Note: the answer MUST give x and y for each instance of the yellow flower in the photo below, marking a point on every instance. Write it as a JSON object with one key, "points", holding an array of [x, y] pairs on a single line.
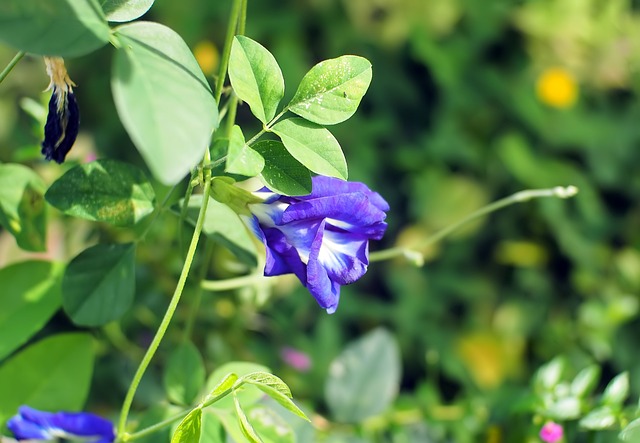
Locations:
{"points": [[557, 87], [207, 56]]}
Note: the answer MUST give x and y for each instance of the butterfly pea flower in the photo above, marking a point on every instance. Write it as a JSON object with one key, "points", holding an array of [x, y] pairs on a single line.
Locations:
{"points": [[322, 238], [39, 426], [63, 119]]}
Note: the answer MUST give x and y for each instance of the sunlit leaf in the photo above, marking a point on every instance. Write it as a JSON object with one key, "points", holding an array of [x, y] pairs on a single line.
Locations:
{"points": [[599, 418], [332, 90], [256, 77], [275, 388], [104, 190], [313, 146], [241, 159], [245, 426], [66, 28], [163, 99], [125, 10], [189, 429], [617, 390], [99, 284], [282, 173]]}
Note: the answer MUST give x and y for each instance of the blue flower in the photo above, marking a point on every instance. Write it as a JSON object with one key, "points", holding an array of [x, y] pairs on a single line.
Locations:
{"points": [[63, 119], [323, 238], [31, 424]]}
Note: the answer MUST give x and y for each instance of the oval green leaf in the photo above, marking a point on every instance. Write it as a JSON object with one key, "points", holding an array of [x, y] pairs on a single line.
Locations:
{"points": [[184, 374], [241, 159], [617, 390], [189, 429], [364, 379], [332, 90], [53, 374], [104, 190], [248, 396], [313, 146], [282, 173], [162, 99], [65, 28], [22, 208], [225, 227], [271, 427], [275, 388], [246, 428], [125, 10], [99, 284], [30, 296], [256, 77]]}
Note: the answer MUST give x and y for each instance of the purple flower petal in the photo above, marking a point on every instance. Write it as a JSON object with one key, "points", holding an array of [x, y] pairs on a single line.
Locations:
{"points": [[31, 423], [323, 238]]}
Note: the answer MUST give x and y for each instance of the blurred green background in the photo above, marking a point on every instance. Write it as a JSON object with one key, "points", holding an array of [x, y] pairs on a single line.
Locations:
{"points": [[470, 101]]}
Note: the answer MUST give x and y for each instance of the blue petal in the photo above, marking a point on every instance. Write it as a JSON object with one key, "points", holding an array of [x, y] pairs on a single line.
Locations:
{"points": [[347, 211], [25, 430], [344, 256], [323, 289], [328, 186], [60, 424]]}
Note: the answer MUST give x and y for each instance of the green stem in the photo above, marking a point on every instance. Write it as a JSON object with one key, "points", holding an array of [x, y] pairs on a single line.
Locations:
{"points": [[518, 197], [157, 426], [158, 211], [195, 307], [231, 283], [184, 209], [14, 61], [162, 329], [231, 114], [226, 51], [268, 126]]}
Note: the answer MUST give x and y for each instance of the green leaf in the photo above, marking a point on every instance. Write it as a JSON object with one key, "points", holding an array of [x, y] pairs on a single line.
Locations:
{"points": [[549, 375], [269, 425], [586, 380], [241, 159], [66, 28], [163, 99], [256, 77], [22, 208], [30, 296], [99, 284], [364, 379], [282, 173], [313, 146], [565, 408], [245, 426], [225, 384], [53, 374], [189, 429], [332, 90], [617, 390], [225, 227], [125, 10], [247, 396], [631, 432], [275, 388], [598, 419], [104, 190], [184, 373]]}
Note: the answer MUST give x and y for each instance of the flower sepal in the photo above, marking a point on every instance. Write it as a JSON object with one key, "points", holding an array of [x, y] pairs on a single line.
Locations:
{"points": [[224, 190]]}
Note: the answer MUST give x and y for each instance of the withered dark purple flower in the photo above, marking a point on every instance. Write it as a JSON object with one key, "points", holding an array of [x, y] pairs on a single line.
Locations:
{"points": [[63, 119]]}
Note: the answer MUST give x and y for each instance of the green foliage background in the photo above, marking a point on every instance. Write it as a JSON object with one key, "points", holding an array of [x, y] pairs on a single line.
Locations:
{"points": [[451, 121]]}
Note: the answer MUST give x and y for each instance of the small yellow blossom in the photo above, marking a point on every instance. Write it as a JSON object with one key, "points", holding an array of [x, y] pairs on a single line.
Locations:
{"points": [[207, 55], [557, 87]]}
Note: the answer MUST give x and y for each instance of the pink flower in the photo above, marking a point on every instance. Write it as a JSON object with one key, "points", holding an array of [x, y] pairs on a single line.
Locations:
{"points": [[551, 432], [296, 359]]}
